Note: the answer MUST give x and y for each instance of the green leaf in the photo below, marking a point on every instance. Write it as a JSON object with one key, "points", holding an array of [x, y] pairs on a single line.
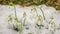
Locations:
{"points": [[37, 2], [45, 0]]}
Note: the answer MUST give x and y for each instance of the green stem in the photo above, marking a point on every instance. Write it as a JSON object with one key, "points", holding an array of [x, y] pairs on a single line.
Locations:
{"points": [[20, 27], [16, 19], [39, 16], [15, 11], [42, 12], [35, 10]]}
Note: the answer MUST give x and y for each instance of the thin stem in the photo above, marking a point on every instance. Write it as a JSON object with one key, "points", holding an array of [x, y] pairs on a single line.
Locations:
{"points": [[24, 16], [20, 27], [35, 10], [16, 19], [42, 12], [15, 11]]}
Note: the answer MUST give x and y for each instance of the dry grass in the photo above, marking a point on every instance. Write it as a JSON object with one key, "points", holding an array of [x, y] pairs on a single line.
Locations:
{"points": [[54, 3]]}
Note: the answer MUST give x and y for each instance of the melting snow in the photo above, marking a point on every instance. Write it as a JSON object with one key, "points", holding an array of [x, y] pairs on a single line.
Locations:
{"points": [[31, 19]]}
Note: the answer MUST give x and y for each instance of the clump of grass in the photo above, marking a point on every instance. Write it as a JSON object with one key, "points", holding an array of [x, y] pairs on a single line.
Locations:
{"points": [[15, 26], [39, 24], [53, 25], [24, 16]]}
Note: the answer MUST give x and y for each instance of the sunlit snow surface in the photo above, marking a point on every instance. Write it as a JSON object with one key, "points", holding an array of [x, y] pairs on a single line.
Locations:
{"points": [[31, 19]]}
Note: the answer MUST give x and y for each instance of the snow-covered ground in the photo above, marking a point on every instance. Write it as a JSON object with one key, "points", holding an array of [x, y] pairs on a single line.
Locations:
{"points": [[51, 24]]}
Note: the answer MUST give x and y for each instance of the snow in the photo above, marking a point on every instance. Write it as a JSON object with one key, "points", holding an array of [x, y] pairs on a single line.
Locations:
{"points": [[31, 19]]}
